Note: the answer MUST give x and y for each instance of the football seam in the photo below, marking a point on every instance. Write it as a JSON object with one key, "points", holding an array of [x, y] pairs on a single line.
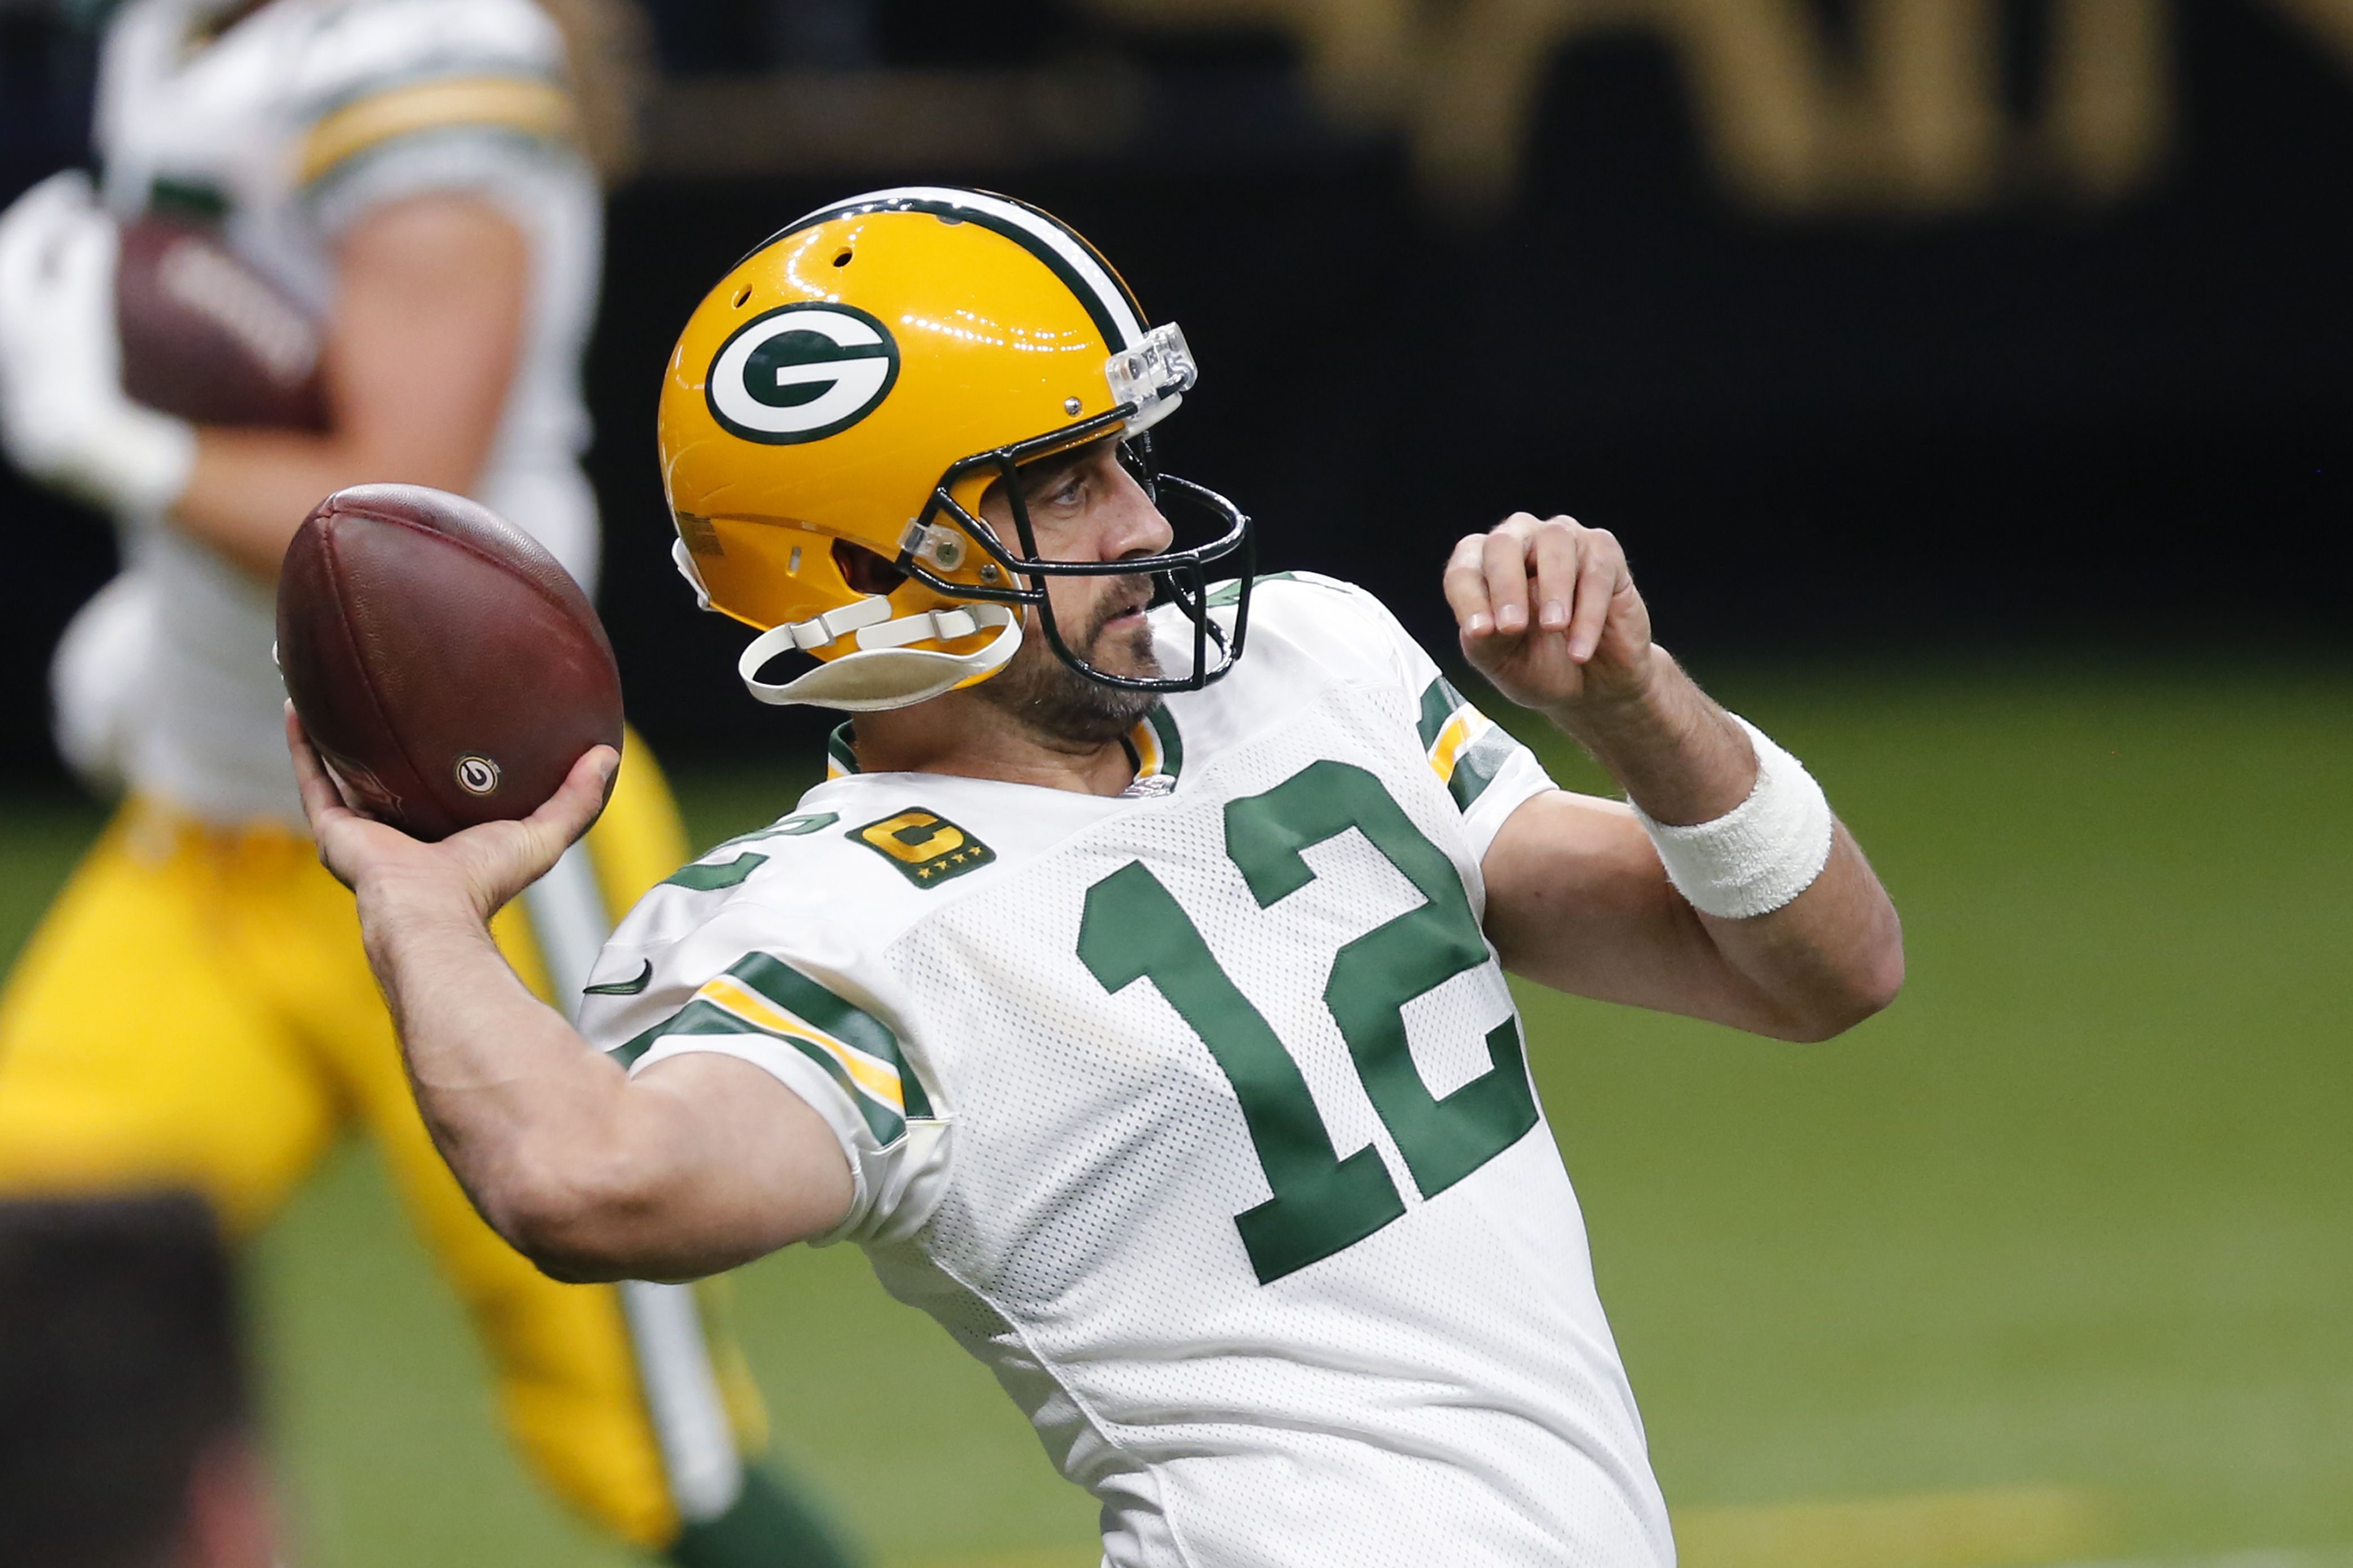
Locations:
{"points": [[552, 600], [367, 673]]}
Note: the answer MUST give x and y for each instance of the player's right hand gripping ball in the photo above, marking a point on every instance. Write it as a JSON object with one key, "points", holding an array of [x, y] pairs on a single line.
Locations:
{"points": [[447, 670]]}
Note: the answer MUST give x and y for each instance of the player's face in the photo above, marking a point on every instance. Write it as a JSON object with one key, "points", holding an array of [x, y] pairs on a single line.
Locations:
{"points": [[1083, 506]]}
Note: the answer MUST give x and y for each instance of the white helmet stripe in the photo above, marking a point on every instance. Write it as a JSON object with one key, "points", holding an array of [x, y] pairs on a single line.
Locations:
{"points": [[1109, 302]]}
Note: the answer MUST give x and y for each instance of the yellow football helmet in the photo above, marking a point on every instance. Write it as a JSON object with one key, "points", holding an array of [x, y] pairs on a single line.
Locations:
{"points": [[862, 378]]}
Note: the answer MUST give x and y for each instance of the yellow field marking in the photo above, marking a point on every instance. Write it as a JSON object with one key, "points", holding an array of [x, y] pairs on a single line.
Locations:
{"points": [[2010, 1527]]}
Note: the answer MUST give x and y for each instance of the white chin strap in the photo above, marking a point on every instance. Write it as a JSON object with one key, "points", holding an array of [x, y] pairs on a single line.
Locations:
{"points": [[883, 672]]}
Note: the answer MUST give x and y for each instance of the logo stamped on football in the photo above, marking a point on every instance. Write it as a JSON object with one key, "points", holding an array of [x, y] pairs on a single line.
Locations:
{"points": [[477, 775]]}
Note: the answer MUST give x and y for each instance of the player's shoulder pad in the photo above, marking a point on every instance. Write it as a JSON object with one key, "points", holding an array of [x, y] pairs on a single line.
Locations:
{"points": [[363, 49], [861, 859], [787, 864], [1336, 624], [780, 888]]}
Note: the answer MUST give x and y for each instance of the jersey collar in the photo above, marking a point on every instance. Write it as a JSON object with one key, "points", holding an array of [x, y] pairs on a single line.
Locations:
{"points": [[1154, 749]]}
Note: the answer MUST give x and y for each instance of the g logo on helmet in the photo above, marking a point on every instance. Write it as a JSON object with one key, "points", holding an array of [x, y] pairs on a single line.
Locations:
{"points": [[801, 372]]}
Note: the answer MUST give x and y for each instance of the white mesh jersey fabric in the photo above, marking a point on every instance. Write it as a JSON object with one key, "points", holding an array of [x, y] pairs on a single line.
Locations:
{"points": [[231, 119], [1444, 1389]]}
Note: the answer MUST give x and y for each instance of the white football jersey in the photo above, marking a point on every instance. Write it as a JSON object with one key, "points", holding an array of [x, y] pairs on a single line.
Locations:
{"points": [[1201, 1113], [290, 124]]}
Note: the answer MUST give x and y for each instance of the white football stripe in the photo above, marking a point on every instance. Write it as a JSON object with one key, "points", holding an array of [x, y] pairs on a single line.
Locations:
{"points": [[1106, 289]]}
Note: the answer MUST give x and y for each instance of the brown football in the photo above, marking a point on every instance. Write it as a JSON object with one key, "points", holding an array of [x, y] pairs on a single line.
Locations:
{"points": [[448, 670], [209, 338]]}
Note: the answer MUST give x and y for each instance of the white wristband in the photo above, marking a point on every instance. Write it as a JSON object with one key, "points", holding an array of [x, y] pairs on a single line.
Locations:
{"points": [[1759, 855]]}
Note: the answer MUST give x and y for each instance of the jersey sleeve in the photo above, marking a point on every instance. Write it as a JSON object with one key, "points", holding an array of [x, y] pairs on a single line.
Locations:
{"points": [[414, 97], [1489, 773], [747, 984]]}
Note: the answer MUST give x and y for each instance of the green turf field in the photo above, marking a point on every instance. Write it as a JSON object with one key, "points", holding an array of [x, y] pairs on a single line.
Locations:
{"points": [[2057, 1255]]}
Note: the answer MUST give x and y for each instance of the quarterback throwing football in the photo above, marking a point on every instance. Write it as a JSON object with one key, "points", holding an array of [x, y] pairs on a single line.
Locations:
{"points": [[1133, 993]]}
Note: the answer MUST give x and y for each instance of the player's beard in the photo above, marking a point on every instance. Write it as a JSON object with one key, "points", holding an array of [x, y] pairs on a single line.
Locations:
{"points": [[1060, 704]]}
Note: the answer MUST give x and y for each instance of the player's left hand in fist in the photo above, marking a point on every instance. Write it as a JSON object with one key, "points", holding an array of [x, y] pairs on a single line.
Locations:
{"points": [[1548, 612]]}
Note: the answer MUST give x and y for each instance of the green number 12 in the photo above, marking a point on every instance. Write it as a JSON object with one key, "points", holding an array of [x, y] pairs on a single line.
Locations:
{"points": [[1135, 930]]}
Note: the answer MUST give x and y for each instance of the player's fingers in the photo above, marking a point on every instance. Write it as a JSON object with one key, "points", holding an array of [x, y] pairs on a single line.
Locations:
{"points": [[1465, 583], [322, 801], [1554, 546], [579, 801], [1503, 559], [501, 859], [1598, 573]]}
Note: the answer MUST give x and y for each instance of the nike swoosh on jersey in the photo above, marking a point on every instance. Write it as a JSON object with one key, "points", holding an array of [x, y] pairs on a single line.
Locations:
{"points": [[630, 987]]}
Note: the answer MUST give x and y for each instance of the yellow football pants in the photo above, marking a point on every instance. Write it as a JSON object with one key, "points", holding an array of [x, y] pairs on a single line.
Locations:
{"points": [[196, 1010]]}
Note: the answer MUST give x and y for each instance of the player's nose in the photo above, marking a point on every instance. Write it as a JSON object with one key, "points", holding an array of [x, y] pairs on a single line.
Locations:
{"points": [[1134, 526]]}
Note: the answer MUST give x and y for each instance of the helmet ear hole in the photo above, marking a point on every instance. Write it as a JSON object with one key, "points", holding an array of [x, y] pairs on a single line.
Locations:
{"points": [[864, 570]]}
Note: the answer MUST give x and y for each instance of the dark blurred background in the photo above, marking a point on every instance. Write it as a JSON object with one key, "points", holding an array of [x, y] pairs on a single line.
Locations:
{"points": [[1874, 326]]}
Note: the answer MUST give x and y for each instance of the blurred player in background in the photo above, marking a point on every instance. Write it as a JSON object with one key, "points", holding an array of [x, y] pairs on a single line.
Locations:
{"points": [[197, 1007], [128, 1441]]}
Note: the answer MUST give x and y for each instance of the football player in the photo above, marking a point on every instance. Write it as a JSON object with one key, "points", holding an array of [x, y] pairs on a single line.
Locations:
{"points": [[1135, 992], [197, 1007]]}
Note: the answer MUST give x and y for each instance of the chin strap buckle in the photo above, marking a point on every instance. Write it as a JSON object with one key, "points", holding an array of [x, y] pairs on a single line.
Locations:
{"points": [[882, 671], [823, 631]]}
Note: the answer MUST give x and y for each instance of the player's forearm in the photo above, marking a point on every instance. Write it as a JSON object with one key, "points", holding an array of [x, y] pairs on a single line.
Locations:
{"points": [[1677, 755], [250, 489], [1824, 961], [590, 1176], [1818, 965], [527, 1113]]}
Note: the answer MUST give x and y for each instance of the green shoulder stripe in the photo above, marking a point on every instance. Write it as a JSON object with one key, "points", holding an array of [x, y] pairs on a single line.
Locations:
{"points": [[1476, 767], [787, 987], [790, 989], [699, 1017], [1438, 702]]}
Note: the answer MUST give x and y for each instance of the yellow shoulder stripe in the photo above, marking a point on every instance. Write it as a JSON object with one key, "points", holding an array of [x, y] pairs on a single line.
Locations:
{"points": [[878, 1078], [1467, 725], [525, 104]]}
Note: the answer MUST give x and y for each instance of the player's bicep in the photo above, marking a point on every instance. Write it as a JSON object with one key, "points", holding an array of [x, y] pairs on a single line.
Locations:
{"points": [[1578, 900], [747, 1165], [425, 334]]}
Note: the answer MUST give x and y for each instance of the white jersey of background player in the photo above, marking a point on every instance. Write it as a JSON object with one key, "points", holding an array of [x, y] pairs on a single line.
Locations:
{"points": [[294, 121], [1139, 1004], [413, 169]]}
